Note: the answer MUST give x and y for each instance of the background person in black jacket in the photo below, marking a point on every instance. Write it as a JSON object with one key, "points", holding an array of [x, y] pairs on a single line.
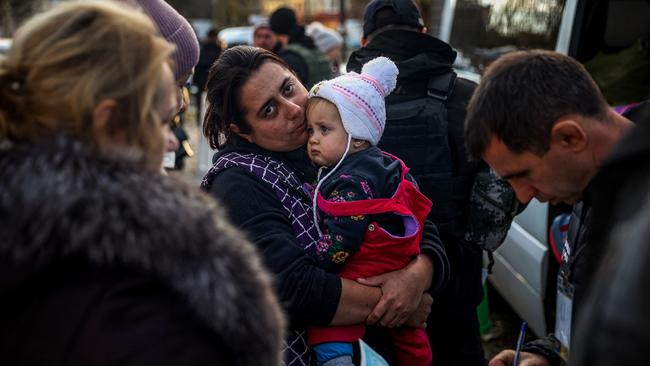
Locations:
{"points": [[103, 260], [210, 51], [298, 49], [541, 122], [427, 133]]}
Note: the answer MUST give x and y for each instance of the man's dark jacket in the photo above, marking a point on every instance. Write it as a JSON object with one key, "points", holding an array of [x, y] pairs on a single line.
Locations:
{"points": [[575, 267], [453, 324], [590, 222], [613, 327]]}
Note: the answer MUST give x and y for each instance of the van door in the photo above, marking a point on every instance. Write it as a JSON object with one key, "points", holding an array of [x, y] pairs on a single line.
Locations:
{"points": [[610, 37]]}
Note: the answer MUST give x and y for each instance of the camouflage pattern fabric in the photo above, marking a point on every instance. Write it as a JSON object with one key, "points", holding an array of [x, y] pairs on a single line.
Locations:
{"points": [[493, 205]]}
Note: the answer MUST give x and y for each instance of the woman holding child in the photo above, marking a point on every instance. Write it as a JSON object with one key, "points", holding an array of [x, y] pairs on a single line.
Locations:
{"points": [[262, 175]]}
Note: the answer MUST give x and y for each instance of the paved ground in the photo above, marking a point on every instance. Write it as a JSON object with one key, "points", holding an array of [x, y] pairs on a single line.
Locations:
{"points": [[505, 326]]}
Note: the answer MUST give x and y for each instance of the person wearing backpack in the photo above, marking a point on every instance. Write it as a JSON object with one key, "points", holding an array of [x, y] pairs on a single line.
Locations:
{"points": [[424, 127], [299, 50]]}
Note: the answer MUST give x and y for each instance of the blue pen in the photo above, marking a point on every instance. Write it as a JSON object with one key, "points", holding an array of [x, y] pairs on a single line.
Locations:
{"points": [[520, 343]]}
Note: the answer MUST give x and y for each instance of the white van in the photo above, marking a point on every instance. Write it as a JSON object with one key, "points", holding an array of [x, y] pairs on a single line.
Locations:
{"points": [[235, 36], [481, 30], [5, 43]]}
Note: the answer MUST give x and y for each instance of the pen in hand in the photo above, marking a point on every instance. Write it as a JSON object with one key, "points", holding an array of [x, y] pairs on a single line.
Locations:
{"points": [[520, 343]]}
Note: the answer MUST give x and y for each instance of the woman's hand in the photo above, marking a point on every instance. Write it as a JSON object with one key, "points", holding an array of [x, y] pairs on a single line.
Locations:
{"points": [[419, 317], [401, 292], [507, 357]]}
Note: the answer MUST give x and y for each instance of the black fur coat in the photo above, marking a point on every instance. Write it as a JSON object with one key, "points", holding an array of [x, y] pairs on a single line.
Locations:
{"points": [[101, 264]]}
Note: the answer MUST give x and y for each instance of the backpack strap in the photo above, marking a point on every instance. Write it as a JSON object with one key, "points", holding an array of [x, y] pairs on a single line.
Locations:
{"points": [[441, 86]]}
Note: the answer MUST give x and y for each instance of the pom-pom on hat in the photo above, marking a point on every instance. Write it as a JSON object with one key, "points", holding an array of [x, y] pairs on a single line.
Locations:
{"points": [[359, 98], [176, 30]]}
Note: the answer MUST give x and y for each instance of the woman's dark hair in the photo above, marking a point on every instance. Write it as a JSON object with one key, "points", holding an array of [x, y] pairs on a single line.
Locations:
{"points": [[226, 78], [523, 94]]}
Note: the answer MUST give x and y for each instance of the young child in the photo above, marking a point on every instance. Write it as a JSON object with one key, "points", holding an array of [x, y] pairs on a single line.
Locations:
{"points": [[371, 213]]}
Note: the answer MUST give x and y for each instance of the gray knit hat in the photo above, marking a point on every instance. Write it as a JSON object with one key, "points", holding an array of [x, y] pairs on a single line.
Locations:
{"points": [[176, 30], [325, 38]]}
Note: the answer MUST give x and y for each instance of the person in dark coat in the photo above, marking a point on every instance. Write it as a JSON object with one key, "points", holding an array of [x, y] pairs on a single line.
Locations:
{"points": [[257, 120], [297, 49], [103, 260], [433, 146], [541, 122], [613, 326], [210, 51]]}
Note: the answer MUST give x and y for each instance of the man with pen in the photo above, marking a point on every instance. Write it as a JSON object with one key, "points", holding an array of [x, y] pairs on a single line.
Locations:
{"points": [[539, 120]]}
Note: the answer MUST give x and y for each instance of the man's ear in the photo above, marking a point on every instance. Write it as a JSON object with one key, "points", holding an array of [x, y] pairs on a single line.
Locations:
{"points": [[107, 122], [569, 134], [235, 129]]}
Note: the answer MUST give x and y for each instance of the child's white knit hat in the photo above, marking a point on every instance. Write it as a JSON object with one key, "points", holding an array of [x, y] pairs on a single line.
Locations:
{"points": [[360, 98]]}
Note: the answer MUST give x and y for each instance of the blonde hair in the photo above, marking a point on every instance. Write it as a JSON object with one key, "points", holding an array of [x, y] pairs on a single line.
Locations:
{"points": [[66, 61]]}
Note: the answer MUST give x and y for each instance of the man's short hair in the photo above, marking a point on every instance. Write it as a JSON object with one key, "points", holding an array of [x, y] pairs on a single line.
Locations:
{"points": [[382, 13], [523, 94]]}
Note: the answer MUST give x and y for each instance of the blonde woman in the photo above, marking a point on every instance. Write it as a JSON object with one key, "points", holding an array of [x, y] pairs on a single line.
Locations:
{"points": [[95, 266]]}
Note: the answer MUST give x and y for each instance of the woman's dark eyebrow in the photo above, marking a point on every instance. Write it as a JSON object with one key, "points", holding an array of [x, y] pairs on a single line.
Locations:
{"points": [[265, 104]]}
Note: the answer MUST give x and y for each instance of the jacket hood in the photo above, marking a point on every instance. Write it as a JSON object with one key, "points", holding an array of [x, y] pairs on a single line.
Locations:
{"points": [[60, 201], [417, 55]]}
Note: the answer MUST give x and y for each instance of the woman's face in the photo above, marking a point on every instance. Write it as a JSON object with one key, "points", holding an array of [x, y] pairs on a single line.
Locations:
{"points": [[167, 109], [150, 142], [273, 103]]}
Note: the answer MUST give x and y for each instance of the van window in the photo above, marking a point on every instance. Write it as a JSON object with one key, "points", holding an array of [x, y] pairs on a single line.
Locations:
{"points": [[482, 30], [613, 43]]}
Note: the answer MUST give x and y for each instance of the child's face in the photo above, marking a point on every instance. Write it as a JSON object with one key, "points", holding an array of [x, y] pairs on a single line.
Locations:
{"points": [[327, 137]]}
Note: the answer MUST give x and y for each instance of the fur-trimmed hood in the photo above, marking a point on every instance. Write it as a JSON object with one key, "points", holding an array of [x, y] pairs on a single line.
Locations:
{"points": [[59, 201]]}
